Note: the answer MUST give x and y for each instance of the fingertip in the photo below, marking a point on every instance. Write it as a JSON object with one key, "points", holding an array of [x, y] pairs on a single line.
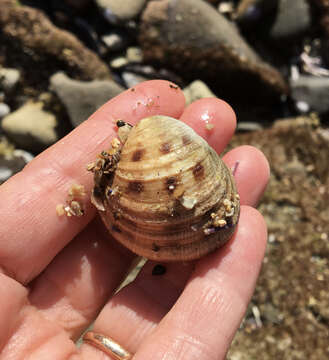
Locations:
{"points": [[213, 119], [153, 97], [251, 171]]}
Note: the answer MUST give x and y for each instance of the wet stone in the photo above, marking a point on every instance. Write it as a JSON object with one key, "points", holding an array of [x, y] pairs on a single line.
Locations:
{"points": [[205, 44], [9, 79], [81, 98]]}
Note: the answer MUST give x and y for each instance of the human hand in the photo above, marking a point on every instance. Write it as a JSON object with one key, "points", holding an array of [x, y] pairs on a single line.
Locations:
{"points": [[59, 274]]}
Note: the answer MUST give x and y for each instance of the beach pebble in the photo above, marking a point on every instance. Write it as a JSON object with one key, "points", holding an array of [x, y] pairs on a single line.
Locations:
{"points": [[82, 98], [121, 10], [197, 90], [313, 91], [134, 54], [114, 41], [31, 127], [9, 79], [132, 79], [191, 36], [4, 110], [293, 18]]}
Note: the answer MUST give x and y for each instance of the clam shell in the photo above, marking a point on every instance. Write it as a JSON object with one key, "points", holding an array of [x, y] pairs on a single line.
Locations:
{"points": [[170, 197]]}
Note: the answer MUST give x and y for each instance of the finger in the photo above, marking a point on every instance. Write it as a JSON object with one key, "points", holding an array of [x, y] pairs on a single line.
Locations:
{"points": [[203, 320], [24, 332], [29, 199], [10, 289], [77, 283], [202, 323], [251, 172], [213, 119]]}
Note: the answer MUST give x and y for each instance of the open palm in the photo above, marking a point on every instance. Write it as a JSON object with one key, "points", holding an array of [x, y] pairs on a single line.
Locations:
{"points": [[59, 274]]}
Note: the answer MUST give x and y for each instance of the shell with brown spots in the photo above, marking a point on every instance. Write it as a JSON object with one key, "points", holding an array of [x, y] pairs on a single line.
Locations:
{"points": [[177, 200]]}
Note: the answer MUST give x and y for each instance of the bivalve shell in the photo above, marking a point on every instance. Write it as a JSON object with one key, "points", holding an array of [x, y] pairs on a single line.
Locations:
{"points": [[165, 194]]}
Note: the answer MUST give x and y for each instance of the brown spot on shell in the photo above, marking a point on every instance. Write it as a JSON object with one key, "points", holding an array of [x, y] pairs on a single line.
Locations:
{"points": [[135, 186], [186, 140], [198, 171], [138, 154], [165, 148]]}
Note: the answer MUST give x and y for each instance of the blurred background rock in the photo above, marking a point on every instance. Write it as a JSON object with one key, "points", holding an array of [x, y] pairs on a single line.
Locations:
{"points": [[61, 60]]}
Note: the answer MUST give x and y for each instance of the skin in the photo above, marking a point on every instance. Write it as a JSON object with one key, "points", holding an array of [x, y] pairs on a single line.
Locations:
{"points": [[59, 274]]}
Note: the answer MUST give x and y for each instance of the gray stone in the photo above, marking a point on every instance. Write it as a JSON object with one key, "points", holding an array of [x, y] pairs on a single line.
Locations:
{"points": [[80, 98], [197, 90], [192, 37], [5, 172], [4, 110], [9, 79], [30, 127], [121, 10], [313, 91], [293, 19], [11, 161], [132, 79]]}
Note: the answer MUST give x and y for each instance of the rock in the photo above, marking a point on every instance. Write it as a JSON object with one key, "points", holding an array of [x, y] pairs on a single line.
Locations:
{"points": [[114, 41], [134, 54], [292, 20], [81, 99], [150, 73], [11, 160], [9, 79], [195, 39], [31, 127], [33, 33], [313, 91], [4, 110], [197, 90], [5, 170], [122, 10], [243, 126], [226, 8], [119, 62], [132, 79], [11, 166]]}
